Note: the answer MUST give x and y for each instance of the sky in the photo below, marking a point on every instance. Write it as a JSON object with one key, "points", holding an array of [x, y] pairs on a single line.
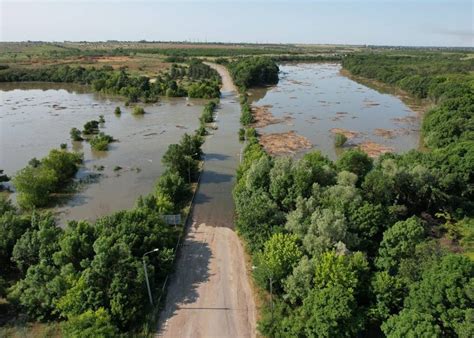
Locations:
{"points": [[374, 22]]}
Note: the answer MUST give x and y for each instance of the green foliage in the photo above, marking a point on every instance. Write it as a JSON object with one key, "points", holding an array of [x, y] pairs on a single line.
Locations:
{"points": [[12, 227], [246, 117], [174, 188], [356, 161], [339, 140], [37, 243], [204, 89], [280, 254], [138, 110], [184, 158], [444, 293], [410, 323], [75, 134], [101, 142], [369, 265], [241, 134], [117, 111], [91, 127], [90, 324], [254, 71], [399, 242], [87, 267], [444, 78], [207, 115], [36, 182], [199, 79], [34, 185]]}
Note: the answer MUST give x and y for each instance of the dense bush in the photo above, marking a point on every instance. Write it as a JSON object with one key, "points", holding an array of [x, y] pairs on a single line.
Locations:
{"points": [[446, 79], [339, 140], [138, 110], [75, 134], [254, 71], [90, 127], [35, 183], [352, 248], [201, 80], [101, 141]]}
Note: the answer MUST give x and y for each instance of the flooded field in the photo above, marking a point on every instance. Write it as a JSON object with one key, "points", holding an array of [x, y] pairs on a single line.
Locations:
{"points": [[313, 102], [36, 118]]}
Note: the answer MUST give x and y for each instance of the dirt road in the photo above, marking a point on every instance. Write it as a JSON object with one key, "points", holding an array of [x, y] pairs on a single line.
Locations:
{"points": [[227, 83], [209, 294]]}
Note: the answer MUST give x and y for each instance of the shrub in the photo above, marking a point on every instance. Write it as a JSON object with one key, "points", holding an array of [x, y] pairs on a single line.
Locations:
{"points": [[241, 134], [75, 135], [90, 324], [117, 111], [138, 110], [340, 140], [91, 127], [101, 142]]}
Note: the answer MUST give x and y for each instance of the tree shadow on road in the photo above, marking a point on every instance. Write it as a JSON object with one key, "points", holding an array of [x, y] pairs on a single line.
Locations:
{"points": [[211, 176], [216, 156], [192, 269]]}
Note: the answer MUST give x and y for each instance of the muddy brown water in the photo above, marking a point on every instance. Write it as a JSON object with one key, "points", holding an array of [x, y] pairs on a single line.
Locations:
{"points": [[314, 98], [34, 118]]}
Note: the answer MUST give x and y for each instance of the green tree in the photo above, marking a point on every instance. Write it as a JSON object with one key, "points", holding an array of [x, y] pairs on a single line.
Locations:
{"points": [[75, 135], [138, 110], [329, 312], [281, 182], [410, 323], [34, 186], [38, 243], [445, 293], [327, 228], [280, 254], [90, 324], [355, 161], [399, 242], [172, 185]]}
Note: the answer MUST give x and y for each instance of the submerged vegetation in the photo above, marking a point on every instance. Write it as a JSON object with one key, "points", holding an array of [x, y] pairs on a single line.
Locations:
{"points": [[196, 80], [137, 110], [363, 247], [254, 71], [89, 276], [37, 182], [445, 79], [101, 141], [353, 247]]}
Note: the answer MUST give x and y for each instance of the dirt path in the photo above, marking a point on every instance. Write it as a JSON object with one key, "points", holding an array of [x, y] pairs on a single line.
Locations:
{"points": [[209, 294], [227, 83]]}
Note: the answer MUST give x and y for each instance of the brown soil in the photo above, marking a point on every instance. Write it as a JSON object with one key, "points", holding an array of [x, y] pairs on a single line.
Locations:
{"points": [[386, 133], [264, 117], [107, 58], [374, 149], [409, 119], [284, 143], [347, 133]]}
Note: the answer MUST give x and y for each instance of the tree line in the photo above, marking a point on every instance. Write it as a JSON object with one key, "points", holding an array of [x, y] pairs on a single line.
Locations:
{"points": [[89, 276], [197, 80], [361, 247], [445, 79], [253, 71]]}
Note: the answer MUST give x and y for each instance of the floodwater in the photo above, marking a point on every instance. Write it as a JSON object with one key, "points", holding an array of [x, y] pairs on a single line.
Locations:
{"points": [[34, 118], [312, 99]]}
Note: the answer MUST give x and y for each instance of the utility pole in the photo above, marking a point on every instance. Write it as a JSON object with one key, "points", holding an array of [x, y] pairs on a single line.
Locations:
{"points": [[146, 275], [271, 293]]}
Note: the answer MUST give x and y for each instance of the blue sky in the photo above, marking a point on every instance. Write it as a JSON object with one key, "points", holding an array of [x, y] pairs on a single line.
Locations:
{"points": [[381, 22]]}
